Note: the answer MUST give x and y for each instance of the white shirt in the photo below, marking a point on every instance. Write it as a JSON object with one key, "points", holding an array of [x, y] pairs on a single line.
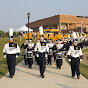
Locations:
{"points": [[50, 45], [74, 53], [40, 48], [59, 46], [11, 50], [31, 45]]}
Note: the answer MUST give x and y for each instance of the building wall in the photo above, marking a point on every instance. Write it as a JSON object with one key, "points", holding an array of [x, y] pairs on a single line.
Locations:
{"points": [[72, 19], [72, 26], [65, 22]]}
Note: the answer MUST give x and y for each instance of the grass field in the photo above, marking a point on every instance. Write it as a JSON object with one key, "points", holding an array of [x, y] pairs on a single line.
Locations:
{"points": [[83, 66], [3, 64]]}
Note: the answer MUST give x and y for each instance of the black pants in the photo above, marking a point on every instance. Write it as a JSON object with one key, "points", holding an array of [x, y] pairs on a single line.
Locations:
{"points": [[37, 59], [25, 60], [11, 62], [58, 62], [30, 61], [54, 56], [49, 59], [42, 63], [75, 66]]}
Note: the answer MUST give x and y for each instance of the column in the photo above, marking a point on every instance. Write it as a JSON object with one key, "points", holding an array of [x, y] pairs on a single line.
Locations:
{"points": [[60, 26], [67, 26], [75, 25]]}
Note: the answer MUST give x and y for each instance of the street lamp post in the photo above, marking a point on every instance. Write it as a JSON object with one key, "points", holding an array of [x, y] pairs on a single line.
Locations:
{"points": [[28, 15]]}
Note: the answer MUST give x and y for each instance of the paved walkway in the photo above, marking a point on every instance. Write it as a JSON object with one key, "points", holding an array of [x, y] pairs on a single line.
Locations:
{"points": [[55, 78]]}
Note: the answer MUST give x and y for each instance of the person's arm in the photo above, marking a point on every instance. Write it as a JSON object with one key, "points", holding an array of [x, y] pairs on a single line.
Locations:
{"points": [[22, 45], [68, 54], [36, 50], [47, 48], [36, 47], [25, 46], [18, 51], [81, 54], [54, 48]]}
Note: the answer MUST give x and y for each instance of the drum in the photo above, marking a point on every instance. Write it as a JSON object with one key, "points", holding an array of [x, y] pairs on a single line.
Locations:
{"points": [[58, 56], [29, 54]]}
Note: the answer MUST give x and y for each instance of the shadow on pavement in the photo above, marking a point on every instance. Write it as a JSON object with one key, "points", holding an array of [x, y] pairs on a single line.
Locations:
{"points": [[63, 86]]}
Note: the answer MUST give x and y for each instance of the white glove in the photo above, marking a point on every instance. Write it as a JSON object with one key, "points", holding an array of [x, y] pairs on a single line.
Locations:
{"points": [[16, 56], [46, 55], [80, 59], [4, 56], [37, 55], [69, 59]]}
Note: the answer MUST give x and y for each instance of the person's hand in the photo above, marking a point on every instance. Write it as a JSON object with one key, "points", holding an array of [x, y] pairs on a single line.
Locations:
{"points": [[80, 59], [63, 52], [37, 55], [16, 56], [54, 50], [24, 49], [4, 56], [69, 59], [46, 55]]}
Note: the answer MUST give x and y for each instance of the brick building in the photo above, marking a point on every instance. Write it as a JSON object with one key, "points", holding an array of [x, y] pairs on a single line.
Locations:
{"points": [[63, 23]]}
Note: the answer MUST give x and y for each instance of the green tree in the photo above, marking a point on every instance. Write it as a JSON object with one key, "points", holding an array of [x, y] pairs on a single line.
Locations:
{"points": [[2, 34]]}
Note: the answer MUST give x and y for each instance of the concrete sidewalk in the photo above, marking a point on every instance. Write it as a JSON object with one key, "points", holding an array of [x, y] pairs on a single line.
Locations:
{"points": [[54, 78]]}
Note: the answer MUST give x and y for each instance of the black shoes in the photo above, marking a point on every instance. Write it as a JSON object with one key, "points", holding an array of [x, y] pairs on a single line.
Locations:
{"points": [[42, 76], [78, 77], [26, 64], [49, 63], [11, 76], [59, 67], [73, 76], [30, 67]]}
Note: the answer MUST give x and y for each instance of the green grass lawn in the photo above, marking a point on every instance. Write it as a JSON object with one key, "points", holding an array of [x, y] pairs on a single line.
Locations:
{"points": [[3, 64], [83, 66]]}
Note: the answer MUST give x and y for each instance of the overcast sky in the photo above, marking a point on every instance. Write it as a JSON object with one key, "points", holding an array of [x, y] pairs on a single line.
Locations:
{"points": [[13, 13]]}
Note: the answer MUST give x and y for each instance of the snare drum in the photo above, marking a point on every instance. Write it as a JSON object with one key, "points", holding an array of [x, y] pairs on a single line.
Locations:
{"points": [[29, 54], [58, 56]]}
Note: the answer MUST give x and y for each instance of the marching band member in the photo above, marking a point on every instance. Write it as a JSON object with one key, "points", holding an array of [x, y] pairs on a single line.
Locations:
{"points": [[75, 55], [65, 48], [23, 51], [53, 50], [29, 55], [36, 53], [11, 51], [58, 53], [50, 45], [42, 48]]}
